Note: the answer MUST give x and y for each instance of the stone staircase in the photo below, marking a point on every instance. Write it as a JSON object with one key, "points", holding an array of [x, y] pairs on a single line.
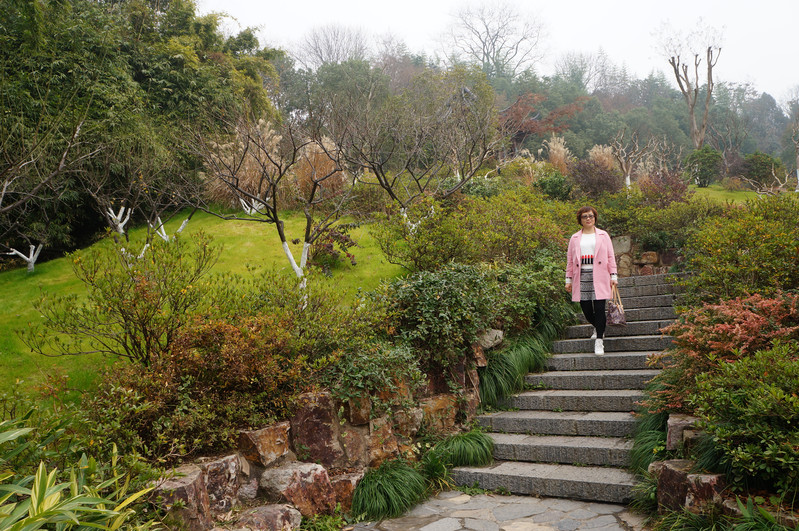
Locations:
{"points": [[571, 437]]}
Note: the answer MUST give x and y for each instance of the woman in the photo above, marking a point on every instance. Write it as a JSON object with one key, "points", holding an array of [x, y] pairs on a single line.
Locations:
{"points": [[590, 260]]}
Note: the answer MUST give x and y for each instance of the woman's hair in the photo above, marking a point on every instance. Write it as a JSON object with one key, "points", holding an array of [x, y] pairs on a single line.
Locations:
{"points": [[585, 210]]}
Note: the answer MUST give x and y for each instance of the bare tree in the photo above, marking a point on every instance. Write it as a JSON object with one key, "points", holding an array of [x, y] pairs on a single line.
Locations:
{"points": [[259, 162], [688, 75], [628, 152], [502, 41], [589, 71], [332, 43]]}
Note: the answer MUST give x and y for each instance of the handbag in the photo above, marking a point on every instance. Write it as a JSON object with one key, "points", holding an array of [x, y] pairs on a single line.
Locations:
{"points": [[616, 315]]}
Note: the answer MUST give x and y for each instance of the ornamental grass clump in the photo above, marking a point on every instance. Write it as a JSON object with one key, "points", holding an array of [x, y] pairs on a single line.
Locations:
{"points": [[388, 491], [471, 448]]}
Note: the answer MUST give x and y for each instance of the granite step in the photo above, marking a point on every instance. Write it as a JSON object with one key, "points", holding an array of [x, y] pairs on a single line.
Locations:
{"points": [[585, 423], [565, 449], [612, 485], [645, 280], [637, 328], [588, 361], [647, 343], [649, 290], [592, 379], [577, 400], [648, 301], [642, 314]]}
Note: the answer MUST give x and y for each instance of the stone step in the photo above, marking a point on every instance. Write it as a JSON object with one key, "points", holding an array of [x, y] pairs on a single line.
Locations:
{"points": [[591, 423], [648, 290], [608, 451], [611, 485], [585, 361], [596, 379], [578, 400], [642, 314], [646, 280], [648, 301], [637, 328], [652, 343]]}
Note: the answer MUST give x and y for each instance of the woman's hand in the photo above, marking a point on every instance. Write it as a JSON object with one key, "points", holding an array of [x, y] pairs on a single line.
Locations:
{"points": [[569, 287], [614, 283]]}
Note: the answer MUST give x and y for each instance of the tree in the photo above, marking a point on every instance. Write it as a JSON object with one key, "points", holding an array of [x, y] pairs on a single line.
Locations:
{"points": [[427, 138], [497, 38], [688, 79], [628, 152], [704, 165], [332, 44], [524, 119]]}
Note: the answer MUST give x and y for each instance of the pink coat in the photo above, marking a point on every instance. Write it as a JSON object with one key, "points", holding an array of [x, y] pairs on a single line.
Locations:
{"points": [[604, 264]]}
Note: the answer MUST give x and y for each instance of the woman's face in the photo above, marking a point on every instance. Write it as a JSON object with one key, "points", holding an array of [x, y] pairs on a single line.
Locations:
{"points": [[587, 219]]}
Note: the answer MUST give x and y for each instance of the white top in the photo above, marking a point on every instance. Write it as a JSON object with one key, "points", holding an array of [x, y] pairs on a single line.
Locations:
{"points": [[587, 250]]}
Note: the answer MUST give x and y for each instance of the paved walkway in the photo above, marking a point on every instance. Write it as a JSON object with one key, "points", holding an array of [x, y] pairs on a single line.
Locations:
{"points": [[455, 511]]}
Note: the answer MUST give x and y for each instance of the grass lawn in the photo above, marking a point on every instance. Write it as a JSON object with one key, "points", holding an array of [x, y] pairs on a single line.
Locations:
{"points": [[718, 192], [244, 243]]}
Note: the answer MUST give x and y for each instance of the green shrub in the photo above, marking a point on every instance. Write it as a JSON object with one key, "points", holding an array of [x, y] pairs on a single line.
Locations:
{"points": [[760, 168], [440, 313], [471, 448], [134, 305], [657, 229], [388, 491], [713, 335], [750, 252], [704, 166], [554, 185], [751, 410], [661, 188]]}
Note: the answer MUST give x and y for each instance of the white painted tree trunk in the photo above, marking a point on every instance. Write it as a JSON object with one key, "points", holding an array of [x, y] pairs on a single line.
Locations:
{"points": [[117, 219], [32, 256], [297, 269], [627, 180]]}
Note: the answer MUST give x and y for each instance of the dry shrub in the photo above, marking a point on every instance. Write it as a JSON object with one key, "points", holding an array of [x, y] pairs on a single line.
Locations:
{"points": [[314, 166], [558, 154], [602, 155]]}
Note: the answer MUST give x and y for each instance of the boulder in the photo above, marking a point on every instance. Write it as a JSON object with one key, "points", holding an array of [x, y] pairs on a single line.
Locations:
{"points": [[680, 489], [704, 490], [408, 421], [355, 442], [675, 427], [314, 430], [344, 487], [304, 485], [222, 482], [490, 338], [648, 258], [471, 404], [270, 518], [359, 410], [268, 446], [382, 443], [479, 355], [624, 264], [622, 244], [249, 479], [440, 411], [186, 499], [646, 270]]}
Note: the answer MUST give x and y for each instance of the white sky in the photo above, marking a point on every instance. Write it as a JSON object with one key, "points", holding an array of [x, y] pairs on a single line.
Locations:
{"points": [[760, 37]]}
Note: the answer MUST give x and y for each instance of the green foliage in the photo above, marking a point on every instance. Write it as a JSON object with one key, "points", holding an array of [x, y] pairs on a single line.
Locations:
{"points": [[755, 518], [242, 367], [324, 522], [388, 491], [704, 166], [662, 188], [554, 185], [440, 313], [713, 335], [750, 409], [649, 440], [374, 369], [687, 520], [134, 307], [471, 448], [752, 251], [657, 229], [644, 494], [761, 168]]}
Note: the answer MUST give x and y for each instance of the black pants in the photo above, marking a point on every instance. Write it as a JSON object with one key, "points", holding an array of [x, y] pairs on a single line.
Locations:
{"points": [[594, 312]]}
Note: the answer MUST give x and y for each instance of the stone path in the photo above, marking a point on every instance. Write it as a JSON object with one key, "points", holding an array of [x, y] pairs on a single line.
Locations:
{"points": [[456, 511]]}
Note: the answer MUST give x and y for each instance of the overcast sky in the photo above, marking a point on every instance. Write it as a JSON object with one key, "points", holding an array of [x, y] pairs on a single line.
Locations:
{"points": [[760, 37]]}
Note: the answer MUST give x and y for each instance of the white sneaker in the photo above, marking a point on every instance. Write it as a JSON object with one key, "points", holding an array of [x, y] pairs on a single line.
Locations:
{"points": [[599, 348], [593, 336]]}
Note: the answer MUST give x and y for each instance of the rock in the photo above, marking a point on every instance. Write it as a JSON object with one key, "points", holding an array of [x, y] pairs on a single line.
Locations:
{"points": [[249, 479], [270, 518], [479, 355], [268, 446], [355, 442], [622, 244], [646, 270], [314, 430], [703, 489], [490, 338], [676, 425], [669, 257], [344, 487], [624, 264], [472, 403], [408, 421], [382, 443], [188, 488], [673, 484], [304, 485], [440, 411], [359, 410], [222, 482], [648, 258]]}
